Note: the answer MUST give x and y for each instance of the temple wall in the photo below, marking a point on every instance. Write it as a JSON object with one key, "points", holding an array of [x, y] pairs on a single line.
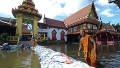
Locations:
{"points": [[58, 34]]}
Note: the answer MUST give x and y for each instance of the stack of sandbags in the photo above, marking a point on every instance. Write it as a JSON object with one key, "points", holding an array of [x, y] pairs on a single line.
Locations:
{"points": [[51, 59]]}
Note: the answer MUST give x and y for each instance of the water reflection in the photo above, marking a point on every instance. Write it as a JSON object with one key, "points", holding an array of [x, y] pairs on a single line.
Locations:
{"points": [[19, 59], [109, 57]]}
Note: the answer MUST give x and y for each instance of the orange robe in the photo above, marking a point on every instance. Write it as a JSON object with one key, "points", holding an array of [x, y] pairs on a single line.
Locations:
{"points": [[34, 43], [90, 59]]}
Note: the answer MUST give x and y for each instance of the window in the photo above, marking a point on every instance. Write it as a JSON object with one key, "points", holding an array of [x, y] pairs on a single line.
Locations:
{"points": [[89, 26], [84, 26], [45, 34], [94, 27], [76, 27], [70, 29], [81, 26]]}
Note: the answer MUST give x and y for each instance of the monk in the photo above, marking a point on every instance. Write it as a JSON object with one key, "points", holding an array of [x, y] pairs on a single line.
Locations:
{"points": [[34, 43], [89, 45]]}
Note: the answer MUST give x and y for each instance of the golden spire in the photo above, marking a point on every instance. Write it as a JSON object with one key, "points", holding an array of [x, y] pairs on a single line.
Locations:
{"points": [[92, 1], [28, 0]]}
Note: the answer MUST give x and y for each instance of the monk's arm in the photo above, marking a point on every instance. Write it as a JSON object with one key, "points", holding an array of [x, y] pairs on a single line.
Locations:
{"points": [[93, 41], [80, 47]]}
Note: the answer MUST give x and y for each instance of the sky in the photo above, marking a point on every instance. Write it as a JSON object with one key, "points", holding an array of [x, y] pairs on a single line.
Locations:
{"points": [[60, 9]]}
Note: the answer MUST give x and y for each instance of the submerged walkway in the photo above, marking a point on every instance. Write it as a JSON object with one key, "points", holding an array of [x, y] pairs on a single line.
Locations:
{"points": [[52, 59]]}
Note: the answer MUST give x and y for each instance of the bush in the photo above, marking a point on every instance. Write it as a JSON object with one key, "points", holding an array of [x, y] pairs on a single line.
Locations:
{"points": [[3, 37], [43, 40], [58, 41]]}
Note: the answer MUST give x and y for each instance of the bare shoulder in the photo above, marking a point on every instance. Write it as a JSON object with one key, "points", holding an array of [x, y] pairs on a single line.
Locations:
{"points": [[81, 39], [91, 38]]}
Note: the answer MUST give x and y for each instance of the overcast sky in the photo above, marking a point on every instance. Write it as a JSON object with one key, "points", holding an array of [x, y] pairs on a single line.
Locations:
{"points": [[60, 9]]}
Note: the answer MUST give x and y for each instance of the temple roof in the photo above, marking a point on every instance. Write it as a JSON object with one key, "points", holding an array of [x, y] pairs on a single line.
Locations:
{"points": [[42, 25], [81, 14], [48, 23], [7, 21], [54, 23], [93, 21], [108, 27], [28, 8]]}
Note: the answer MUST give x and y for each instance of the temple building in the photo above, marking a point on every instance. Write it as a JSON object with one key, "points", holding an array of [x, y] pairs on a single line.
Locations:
{"points": [[53, 29], [84, 19]]}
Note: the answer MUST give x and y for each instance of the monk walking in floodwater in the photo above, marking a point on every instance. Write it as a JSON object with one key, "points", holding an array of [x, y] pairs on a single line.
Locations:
{"points": [[89, 46]]}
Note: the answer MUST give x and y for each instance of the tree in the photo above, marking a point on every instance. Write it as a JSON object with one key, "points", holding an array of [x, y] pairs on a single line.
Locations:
{"points": [[117, 27], [3, 37]]}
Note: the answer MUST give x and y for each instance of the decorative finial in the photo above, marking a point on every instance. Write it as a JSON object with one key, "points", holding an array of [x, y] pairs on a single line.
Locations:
{"points": [[10, 20], [92, 1], [29, 0], [44, 15]]}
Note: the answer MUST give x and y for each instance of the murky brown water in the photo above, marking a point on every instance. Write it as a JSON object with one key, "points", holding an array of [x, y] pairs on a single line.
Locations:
{"points": [[19, 59], [28, 59]]}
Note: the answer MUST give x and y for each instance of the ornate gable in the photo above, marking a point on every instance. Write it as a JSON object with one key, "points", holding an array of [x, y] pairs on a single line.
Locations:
{"points": [[93, 13]]}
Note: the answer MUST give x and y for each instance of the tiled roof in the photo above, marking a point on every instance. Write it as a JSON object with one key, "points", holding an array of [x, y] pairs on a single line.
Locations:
{"points": [[42, 25], [79, 14], [5, 22], [7, 19], [54, 23], [90, 20], [108, 27]]}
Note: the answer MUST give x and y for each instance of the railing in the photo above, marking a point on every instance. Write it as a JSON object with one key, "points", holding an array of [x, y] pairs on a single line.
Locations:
{"points": [[12, 38], [78, 31], [107, 42]]}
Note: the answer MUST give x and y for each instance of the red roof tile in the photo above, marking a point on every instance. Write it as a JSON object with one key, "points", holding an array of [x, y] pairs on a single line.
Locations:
{"points": [[108, 27], [8, 19], [81, 14], [90, 20], [42, 25], [54, 23]]}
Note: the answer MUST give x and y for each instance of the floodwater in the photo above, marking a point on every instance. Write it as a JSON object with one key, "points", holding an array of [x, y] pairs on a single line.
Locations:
{"points": [[109, 58], [19, 59]]}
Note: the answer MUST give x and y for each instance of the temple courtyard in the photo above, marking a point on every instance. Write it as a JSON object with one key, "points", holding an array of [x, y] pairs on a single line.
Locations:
{"points": [[26, 42]]}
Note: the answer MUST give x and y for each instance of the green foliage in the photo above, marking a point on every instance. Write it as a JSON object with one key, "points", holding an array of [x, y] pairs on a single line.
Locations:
{"points": [[3, 37], [43, 40], [117, 27], [58, 40]]}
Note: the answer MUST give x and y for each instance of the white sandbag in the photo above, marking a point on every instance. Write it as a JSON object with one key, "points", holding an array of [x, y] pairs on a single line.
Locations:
{"points": [[51, 59]]}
